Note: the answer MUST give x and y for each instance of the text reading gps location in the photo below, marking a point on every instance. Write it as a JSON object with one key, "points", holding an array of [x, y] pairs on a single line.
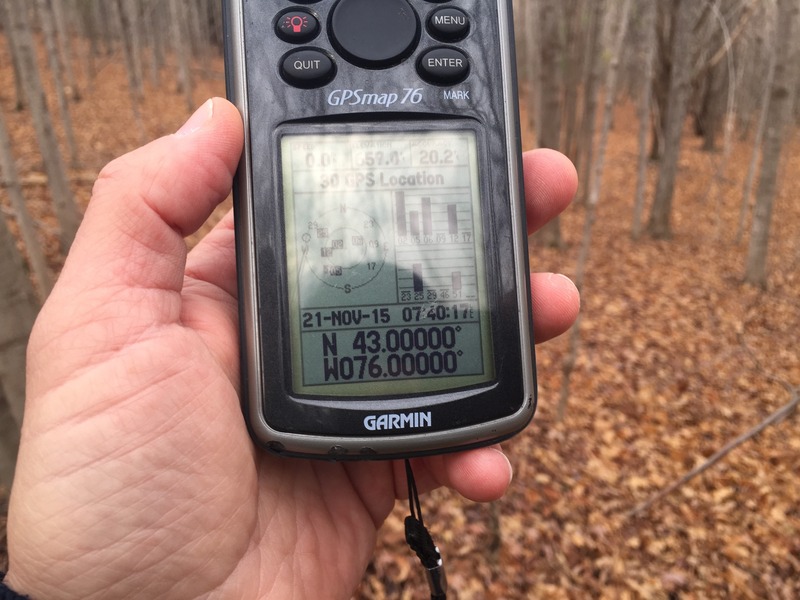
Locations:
{"points": [[381, 243]]}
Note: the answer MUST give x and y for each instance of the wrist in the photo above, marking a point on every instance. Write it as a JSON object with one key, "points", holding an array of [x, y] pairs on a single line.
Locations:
{"points": [[7, 592]]}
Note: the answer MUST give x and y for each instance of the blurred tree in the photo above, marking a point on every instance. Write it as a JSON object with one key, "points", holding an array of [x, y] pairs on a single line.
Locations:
{"points": [[575, 29], [124, 19], [594, 186], [749, 180], [22, 45], [18, 308], [529, 61], [64, 41], [19, 88], [181, 48], [591, 94], [685, 13], [549, 128], [648, 52], [47, 20], [778, 116], [33, 247]]}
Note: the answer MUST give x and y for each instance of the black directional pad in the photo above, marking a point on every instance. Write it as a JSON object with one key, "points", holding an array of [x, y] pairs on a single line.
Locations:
{"points": [[374, 34]]}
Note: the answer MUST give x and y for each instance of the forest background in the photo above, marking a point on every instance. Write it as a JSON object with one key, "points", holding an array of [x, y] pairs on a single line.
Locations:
{"points": [[662, 462]]}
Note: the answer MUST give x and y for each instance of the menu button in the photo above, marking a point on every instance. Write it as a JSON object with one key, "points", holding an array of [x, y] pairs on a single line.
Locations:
{"points": [[448, 24]]}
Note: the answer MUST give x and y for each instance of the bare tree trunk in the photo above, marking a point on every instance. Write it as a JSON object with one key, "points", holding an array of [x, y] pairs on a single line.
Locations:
{"points": [[84, 52], [549, 128], [9, 442], [756, 268], [88, 24], [154, 40], [730, 76], [19, 86], [591, 94], [131, 16], [198, 41], [63, 201], [594, 198], [665, 34], [18, 310], [177, 17], [712, 107], [135, 88], [65, 48], [532, 63], [216, 23], [747, 190], [27, 229], [572, 75], [122, 19], [649, 39], [677, 105], [48, 29]]}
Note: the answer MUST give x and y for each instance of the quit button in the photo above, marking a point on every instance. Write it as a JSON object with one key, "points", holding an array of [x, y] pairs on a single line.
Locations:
{"points": [[443, 66], [307, 68]]}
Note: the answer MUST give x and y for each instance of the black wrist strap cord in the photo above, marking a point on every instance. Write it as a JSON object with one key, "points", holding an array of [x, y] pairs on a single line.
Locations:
{"points": [[421, 543]]}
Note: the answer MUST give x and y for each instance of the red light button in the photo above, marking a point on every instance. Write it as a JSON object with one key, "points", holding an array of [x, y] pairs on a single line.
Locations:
{"points": [[297, 26]]}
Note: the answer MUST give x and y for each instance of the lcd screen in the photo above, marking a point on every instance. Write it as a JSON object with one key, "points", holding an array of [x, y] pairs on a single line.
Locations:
{"points": [[386, 263]]}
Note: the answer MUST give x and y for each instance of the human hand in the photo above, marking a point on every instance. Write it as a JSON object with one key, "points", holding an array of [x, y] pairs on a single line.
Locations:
{"points": [[136, 476]]}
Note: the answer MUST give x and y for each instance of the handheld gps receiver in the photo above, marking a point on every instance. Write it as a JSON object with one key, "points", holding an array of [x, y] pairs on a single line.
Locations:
{"points": [[381, 236]]}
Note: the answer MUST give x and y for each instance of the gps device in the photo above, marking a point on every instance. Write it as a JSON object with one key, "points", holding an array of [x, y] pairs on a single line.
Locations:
{"points": [[381, 235]]}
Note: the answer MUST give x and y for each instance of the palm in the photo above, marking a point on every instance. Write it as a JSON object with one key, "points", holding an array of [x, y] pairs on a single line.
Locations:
{"points": [[212, 513], [302, 526]]}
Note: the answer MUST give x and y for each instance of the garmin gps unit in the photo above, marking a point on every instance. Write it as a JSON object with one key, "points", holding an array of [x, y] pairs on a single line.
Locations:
{"points": [[381, 235]]}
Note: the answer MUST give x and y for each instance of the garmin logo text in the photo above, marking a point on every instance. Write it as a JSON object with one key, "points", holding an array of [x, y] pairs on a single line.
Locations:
{"points": [[414, 420]]}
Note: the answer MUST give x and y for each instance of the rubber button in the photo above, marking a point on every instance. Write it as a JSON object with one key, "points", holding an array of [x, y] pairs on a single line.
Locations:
{"points": [[448, 24], [443, 66], [374, 34], [307, 68], [296, 26]]}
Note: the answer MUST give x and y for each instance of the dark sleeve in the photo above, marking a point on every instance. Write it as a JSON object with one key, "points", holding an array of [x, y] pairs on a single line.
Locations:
{"points": [[7, 593]]}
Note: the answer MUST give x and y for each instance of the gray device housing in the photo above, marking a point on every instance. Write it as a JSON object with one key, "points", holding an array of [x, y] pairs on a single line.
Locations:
{"points": [[486, 102]]}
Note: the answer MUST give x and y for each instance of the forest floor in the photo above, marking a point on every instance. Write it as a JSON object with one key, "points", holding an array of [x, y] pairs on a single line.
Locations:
{"points": [[677, 358]]}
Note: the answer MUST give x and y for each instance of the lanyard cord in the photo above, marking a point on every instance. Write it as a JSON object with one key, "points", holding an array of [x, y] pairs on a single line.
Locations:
{"points": [[421, 543]]}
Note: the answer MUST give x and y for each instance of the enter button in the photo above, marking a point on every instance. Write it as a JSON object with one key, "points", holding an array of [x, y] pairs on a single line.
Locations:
{"points": [[443, 66]]}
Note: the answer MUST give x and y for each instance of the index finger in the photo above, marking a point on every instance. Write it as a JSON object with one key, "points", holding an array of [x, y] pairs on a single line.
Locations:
{"points": [[550, 185]]}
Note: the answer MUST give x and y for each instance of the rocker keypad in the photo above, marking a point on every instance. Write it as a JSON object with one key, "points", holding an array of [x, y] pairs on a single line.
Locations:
{"points": [[373, 35]]}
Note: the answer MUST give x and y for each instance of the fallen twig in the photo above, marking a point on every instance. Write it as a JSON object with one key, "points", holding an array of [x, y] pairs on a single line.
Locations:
{"points": [[773, 418]]}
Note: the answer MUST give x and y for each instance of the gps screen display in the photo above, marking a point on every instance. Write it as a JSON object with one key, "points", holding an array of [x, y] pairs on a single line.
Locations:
{"points": [[386, 263]]}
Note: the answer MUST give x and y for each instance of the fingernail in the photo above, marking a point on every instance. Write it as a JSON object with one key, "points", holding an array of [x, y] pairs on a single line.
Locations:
{"points": [[510, 467], [561, 277], [201, 116]]}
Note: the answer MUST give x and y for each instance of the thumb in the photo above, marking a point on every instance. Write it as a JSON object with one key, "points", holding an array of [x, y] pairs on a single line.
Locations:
{"points": [[125, 270], [144, 203]]}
